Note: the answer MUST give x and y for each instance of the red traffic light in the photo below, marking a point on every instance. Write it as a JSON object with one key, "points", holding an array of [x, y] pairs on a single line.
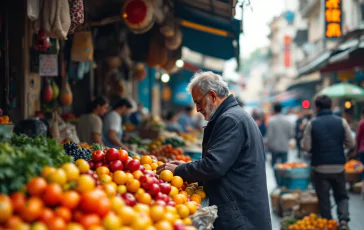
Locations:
{"points": [[306, 104]]}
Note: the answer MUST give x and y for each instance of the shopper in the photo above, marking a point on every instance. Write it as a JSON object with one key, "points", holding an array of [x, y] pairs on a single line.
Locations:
{"points": [[359, 150], [186, 119], [137, 116], [325, 138], [89, 127], [232, 168], [279, 132], [113, 132], [172, 124]]}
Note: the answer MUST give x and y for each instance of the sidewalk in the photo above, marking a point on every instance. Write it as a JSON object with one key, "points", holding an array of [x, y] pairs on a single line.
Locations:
{"points": [[356, 202]]}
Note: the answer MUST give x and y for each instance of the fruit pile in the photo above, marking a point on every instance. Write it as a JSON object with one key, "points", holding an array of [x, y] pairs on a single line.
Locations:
{"points": [[123, 197], [312, 222], [353, 166], [5, 120], [167, 152], [292, 165], [72, 149]]}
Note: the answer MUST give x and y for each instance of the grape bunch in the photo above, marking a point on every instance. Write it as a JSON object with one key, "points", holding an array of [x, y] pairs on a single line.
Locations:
{"points": [[73, 151]]}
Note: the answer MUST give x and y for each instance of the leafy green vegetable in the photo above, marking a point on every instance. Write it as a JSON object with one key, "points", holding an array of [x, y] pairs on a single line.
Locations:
{"points": [[176, 142], [23, 158]]}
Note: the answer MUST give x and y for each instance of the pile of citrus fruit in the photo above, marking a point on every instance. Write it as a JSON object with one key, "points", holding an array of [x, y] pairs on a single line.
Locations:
{"points": [[312, 222], [5, 120], [74, 197]]}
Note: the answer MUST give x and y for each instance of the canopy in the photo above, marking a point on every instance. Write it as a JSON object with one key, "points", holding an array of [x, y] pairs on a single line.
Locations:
{"points": [[209, 34], [344, 90]]}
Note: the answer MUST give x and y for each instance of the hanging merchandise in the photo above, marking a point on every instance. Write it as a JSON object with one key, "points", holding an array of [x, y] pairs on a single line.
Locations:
{"points": [[66, 94], [55, 90], [173, 56], [139, 72], [42, 42], [77, 70], [82, 47], [169, 25], [138, 15], [175, 41], [157, 53], [33, 8], [77, 14], [47, 92], [56, 19]]}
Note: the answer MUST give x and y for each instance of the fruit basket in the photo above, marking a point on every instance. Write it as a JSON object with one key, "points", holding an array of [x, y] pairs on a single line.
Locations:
{"points": [[293, 175], [353, 170]]}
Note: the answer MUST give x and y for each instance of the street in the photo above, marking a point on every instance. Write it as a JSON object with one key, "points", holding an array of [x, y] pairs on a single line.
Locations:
{"points": [[356, 202]]}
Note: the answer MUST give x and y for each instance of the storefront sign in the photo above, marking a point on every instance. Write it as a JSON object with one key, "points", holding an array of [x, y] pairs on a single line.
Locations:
{"points": [[287, 50], [48, 65], [333, 19]]}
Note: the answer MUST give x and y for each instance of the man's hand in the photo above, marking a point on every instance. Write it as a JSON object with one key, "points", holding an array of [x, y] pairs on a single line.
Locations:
{"points": [[176, 162], [168, 166]]}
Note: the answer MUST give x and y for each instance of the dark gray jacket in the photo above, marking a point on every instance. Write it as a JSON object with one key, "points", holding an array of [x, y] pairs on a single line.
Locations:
{"points": [[232, 170]]}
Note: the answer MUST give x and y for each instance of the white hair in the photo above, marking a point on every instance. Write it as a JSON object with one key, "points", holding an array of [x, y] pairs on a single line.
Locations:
{"points": [[208, 80]]}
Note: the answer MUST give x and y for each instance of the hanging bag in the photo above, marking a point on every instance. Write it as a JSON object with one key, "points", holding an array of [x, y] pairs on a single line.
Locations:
{"points": [[77, 14], [82, 47]]}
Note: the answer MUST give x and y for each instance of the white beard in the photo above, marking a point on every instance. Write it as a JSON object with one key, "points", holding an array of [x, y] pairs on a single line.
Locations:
{"points": [[210, 110]]}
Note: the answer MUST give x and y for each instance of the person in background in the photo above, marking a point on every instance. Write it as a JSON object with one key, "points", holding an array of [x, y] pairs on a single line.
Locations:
{"points": [[279, 133], [259, 120], [112, 131], [172, 124], [137, 116], [359, 149], [89, 127], [325, 137], [300, 127], [232, 168], [186, 120]]}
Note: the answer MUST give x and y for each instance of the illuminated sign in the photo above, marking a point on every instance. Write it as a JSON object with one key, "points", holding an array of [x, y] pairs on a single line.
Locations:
{"points": [[333, 19], [287, 50]]}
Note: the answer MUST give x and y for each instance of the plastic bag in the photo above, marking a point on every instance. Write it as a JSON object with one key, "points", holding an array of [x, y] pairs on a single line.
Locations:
{"points": [[204, 218], [33, 9], [82, 47]]}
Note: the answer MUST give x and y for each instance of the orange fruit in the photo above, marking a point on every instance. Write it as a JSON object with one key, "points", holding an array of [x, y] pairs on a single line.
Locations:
{"points": [[201, 193], [166, 175], [130, 176], [154, 166], [121, 189], [196, 198], [146, 160], [72, 171], [116, 203], [64, 213], [127, 215], [191, 206], [177, 181], [133, 185], [182, 210], [145, 198], [157, 213], [120, 177], [173, 192], [111, 221], [104, 178], [183, 193], [59, 177], [82, 165], [187, 221], [170, 217], [109, 189], [47, 170], [147, 167], [137, 174], [163, 225], [171, 209], [102, 170], [6, 209], [142, 208], [85, 183], [179, 199], [160, 163]]}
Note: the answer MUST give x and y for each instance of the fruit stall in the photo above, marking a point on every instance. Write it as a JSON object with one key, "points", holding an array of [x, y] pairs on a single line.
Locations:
{"points": [[45, 185]]}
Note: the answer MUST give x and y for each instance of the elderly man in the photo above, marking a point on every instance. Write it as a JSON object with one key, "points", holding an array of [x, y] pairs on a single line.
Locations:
{"points": [[232, 168]]}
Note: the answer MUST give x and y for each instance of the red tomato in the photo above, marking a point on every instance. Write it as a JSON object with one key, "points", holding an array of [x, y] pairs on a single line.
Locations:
{"points": [[46, 215], [64, 213], [57, 224], [32, 209], [53, 194], [98, 155], [36, 186], [90, 220], [123, 155], [17, 201]]}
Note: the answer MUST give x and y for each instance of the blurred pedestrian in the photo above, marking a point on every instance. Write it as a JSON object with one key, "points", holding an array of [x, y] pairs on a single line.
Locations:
{"points": [[172, 124], [325, 138], [137, 116], [279, 133]]}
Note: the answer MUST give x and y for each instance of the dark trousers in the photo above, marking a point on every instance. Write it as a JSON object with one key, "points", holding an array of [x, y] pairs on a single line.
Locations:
{"points": [[323, 183], [283, 157], [298, 146]]}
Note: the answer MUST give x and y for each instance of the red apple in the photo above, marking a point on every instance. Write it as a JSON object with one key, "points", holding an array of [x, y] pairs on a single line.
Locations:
{"points": [[142, 169], [92, 164], [161, 196], [160, 202], [183, 188], [133, 165], [146, 182], [154, 190], [116, 165], [98, 155], [129, 199], [171, 203], [112, 155], [161, 181], [165, 188], [179, 226], [98, 164], [105, 164]]}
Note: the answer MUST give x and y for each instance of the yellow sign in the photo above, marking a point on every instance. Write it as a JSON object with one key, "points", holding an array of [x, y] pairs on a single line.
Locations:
{"points": [[333, 15]]}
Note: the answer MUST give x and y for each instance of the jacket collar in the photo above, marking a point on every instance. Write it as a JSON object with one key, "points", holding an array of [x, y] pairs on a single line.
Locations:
{"points": [[324, 112], [226, 104]]}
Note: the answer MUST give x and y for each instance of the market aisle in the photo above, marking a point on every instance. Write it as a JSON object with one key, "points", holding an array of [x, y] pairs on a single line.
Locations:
{"points": [[356, 203]]}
